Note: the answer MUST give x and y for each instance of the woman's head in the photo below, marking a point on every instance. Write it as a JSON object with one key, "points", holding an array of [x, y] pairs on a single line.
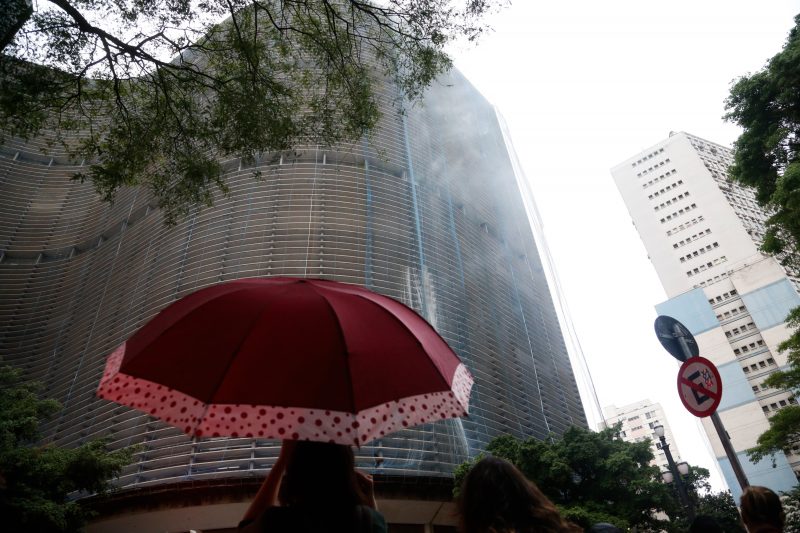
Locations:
{"points": [[760, 507], [321, 475], [495, 496]]}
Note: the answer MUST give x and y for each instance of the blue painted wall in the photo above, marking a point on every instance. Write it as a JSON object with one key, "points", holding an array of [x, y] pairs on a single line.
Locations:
{"points": [[692, 310], [762, 473], [736, 390], [769, 305]]}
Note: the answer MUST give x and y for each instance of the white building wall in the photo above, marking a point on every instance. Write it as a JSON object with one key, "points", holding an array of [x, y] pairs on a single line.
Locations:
{"points": [[702, 235]]}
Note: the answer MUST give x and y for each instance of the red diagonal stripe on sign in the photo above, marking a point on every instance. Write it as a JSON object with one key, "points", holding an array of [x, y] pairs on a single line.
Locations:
{"points": [[700, 388]]}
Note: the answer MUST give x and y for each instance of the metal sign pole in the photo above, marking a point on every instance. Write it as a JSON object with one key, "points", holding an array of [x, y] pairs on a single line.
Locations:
{"points": [[729, 451], [723, 435]]}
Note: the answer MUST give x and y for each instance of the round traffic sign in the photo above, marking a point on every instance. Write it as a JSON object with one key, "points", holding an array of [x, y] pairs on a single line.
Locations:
{"points": [[699, 386], [671, 334]]}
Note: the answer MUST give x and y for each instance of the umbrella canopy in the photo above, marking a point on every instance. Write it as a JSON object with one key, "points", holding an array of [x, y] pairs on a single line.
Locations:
{"points": [[288, 358]]}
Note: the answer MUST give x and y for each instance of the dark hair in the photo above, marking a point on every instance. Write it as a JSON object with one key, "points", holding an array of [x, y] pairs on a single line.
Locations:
{"points": [[323, 476], [761, 506], [495, 496]]}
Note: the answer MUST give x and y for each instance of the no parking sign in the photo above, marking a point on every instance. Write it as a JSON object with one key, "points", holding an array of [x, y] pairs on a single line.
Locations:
{"points": [[699, 386]]}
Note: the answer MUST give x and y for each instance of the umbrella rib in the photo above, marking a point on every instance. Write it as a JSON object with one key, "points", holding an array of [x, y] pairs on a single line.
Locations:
{"points": [[184, 316], [346, 349], [236, 350], [411, 333]]}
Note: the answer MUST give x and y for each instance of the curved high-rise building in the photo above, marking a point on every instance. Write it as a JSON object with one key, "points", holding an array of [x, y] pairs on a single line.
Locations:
{"points": [[427, 210]]}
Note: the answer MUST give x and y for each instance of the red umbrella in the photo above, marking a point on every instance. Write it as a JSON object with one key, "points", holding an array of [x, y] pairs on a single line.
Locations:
{"points": [[288, 358]]}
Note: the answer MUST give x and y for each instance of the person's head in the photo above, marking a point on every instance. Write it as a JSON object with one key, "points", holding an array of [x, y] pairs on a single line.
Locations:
{"points": [[321, 475], [495, 496], [604, 527], [761, 507], [705, 524]]}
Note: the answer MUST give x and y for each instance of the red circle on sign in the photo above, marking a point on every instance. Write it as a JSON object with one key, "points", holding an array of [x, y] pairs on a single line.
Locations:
{"points": [[699, 386]]}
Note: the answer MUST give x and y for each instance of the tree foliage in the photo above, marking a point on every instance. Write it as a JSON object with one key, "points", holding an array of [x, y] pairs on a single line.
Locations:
{"points": [[767, 157], [767, 153], [598, 477], [791, 506], [722, 508], [38, 479], [157, 92]]}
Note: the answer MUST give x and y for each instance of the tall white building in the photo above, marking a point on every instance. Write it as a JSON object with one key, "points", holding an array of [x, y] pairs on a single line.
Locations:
{"points": [[638, 420], [702, 235]]}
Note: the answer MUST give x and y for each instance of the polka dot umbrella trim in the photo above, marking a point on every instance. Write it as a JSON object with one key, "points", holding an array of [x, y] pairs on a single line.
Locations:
{"points": [[288, 358]]}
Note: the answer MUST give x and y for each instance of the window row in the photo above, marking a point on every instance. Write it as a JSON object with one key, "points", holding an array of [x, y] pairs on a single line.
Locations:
{"points": [[701, 268], [666, 174], [719, 155], [715, 279], [741, 197], [716, 152], [648, 156], [687, 240], [749, 347], [678, 213], [665, 189], [760, 388], [777, 406], [659, 178], [749, 220], [699, 251], [755, 367], [757, 214], [756, 233], [723, 297], [741, 329], [655, 167], [670, 202], [733, 312], [685, 225]]}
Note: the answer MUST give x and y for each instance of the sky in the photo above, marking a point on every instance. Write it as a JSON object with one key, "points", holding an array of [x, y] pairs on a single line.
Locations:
{"points": [[583, 85]]}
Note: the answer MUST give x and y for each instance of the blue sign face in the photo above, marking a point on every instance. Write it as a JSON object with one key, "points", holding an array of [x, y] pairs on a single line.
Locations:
{"points": [[676, 338]]}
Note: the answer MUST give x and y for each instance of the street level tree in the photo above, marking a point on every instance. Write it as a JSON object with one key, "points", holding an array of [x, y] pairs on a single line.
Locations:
{"points": [[598, 477], [36, 480], [767, 157], [157, 92]]}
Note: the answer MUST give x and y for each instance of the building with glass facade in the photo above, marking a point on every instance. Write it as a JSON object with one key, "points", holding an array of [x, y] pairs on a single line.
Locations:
{"points": [[428, 210], [702, 233]]}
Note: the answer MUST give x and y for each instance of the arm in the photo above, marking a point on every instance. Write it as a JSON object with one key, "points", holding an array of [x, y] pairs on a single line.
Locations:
{"points": [[367, 486], [267, 495]]}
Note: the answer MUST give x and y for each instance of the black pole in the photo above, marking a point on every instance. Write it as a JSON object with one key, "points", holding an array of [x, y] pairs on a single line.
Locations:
{"points": [[721, 433], [676, 475], [729, 451]]}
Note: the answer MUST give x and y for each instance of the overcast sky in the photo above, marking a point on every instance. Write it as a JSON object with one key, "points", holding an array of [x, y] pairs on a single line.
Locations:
{"points": [[584, 85]]}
